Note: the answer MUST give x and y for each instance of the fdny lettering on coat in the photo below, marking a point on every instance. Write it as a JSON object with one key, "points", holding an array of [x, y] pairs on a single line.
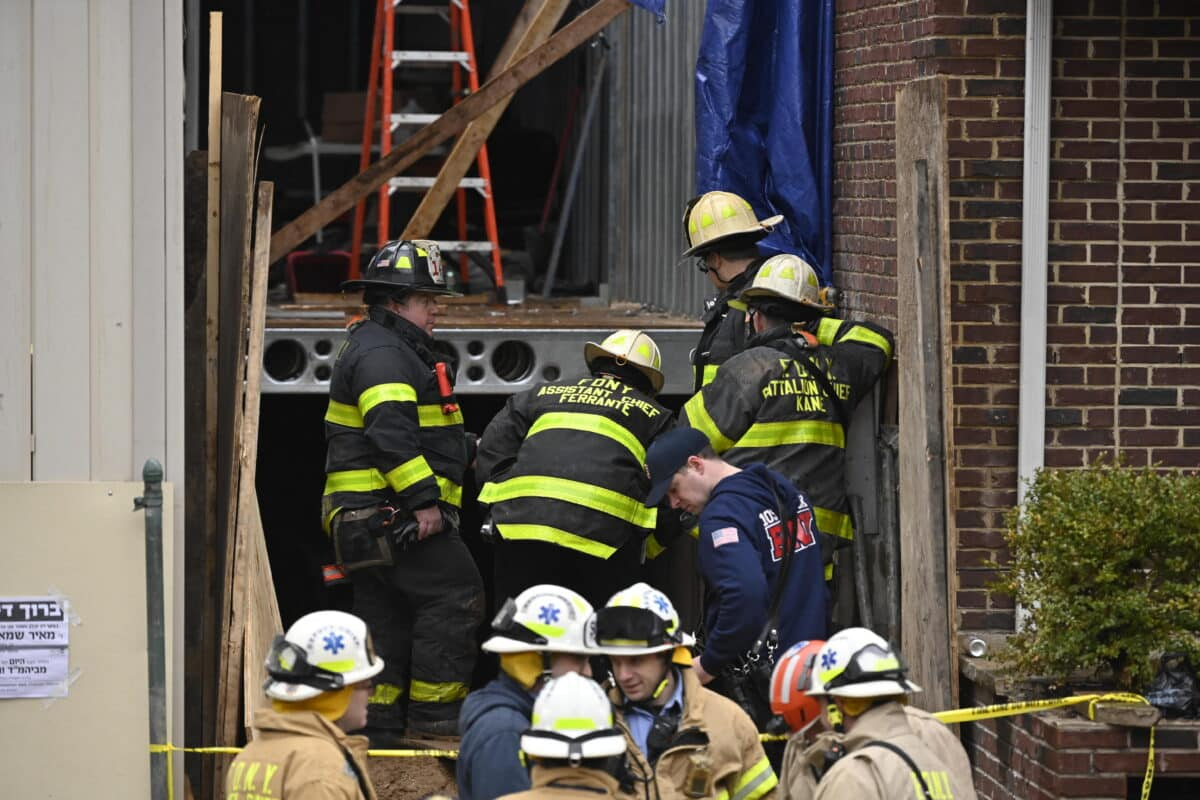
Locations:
{"points": [[777, 534], [250, 780], [604, 392], [795, 381]]}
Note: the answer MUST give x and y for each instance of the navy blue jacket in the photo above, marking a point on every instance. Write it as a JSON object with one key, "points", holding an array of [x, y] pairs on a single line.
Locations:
{"points": [[741, 553], [489, 755]]}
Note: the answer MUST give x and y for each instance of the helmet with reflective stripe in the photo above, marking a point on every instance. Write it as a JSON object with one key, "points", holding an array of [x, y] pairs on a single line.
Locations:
{"points": [[405, 266], [787, 277], [543, 618], [572, 720], [716, 218], [858, 663], [637, 620], [322, 652], [790, 683], [635, 348]]}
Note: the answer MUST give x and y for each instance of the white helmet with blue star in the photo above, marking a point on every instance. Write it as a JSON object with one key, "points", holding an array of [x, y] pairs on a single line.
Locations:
{"points": [[857, 662], [543, 618], [322, 652], [635, 620]]}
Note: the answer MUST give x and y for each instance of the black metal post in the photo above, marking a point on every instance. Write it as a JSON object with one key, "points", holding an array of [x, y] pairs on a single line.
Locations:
{"points": [[151, 501]]}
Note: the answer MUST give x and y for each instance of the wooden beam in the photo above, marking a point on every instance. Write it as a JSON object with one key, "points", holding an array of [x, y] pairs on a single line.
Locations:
{"points": [[525, 18], [211, 782], [923, 270], [578, 31], [200, 629], [466, 149], [239, 115]]}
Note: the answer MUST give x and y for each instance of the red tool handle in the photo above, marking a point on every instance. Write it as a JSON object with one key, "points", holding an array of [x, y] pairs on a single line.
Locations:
{"points": [[444, 389]]}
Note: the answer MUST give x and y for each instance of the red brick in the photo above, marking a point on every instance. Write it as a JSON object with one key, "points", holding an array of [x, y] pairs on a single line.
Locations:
{"points": [[1096, 786], [1153, 191], [1153, 232], [1067, 734], [1155, 315], [1187, 458], [1149, 437]]}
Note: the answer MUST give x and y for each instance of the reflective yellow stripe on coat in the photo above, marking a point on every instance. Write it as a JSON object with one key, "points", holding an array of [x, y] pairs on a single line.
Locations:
{"points": [[410, 472], [590, 423], [427, 692], [793, 431], [596, 498], [699, 418], [755, 782], [385, 393], [548, 533]]}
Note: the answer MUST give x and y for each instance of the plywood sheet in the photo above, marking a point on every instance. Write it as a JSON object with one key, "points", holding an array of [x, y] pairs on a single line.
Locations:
{"points": [[89, 548]]}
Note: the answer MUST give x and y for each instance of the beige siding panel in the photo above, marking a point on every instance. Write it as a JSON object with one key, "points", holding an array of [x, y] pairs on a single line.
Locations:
{"points": [[61, 260], [16, 64], [157, 133], [111, 234]]}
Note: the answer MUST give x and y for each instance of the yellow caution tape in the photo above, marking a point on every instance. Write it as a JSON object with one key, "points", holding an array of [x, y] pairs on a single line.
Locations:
{"points": [[951, 717], [1028, 706], [171, 748]]}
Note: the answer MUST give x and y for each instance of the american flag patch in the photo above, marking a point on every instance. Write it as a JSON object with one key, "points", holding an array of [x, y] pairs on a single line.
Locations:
{"points": [[724, 536]]}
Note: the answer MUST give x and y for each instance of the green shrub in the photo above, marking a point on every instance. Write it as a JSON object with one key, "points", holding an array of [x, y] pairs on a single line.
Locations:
{"points": [[1106, 561]]}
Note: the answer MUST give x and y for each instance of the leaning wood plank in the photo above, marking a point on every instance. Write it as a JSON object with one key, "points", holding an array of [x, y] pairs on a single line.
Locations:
{"points": [[239, 144], [262, 610], [262, 618], [453, 121], [466, 149], [923, 266], [200, 628], [212, 775]]}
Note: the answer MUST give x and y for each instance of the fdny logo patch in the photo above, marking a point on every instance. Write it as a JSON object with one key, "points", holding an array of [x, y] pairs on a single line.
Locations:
{"points": [[777, 532]]}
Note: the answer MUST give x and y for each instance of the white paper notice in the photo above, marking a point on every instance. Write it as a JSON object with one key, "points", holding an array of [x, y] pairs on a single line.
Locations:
{"points": [[33, 647]]}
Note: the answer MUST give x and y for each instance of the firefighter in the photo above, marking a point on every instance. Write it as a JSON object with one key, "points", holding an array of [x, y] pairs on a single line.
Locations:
{"points": [[816, 744], [748, 518], [572, 743], [721, 230], [319, 679], [538, 636], [787, 399], [397, 452], [684, 740], [860, 674], [563, 467]]}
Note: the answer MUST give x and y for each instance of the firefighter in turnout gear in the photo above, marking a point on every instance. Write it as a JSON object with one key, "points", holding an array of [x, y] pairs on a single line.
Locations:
{"points": [[572, 742], [721, 229], [684, 740], [814, 747], [563, 467], [538, 635], [319, 680], [885, 758], [397, 452], [787, 400]]}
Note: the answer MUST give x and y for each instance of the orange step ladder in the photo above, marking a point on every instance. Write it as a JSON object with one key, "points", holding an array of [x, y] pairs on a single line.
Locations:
{"points": [[385, 59]]}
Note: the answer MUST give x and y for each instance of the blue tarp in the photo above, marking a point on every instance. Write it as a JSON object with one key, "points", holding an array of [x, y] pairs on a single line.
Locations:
{"points": [[656, 6], [764, 116]]}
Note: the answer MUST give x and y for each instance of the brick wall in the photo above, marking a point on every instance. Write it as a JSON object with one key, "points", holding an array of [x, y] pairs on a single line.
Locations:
{"points": [[1124, 294], [1058, 754]]}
